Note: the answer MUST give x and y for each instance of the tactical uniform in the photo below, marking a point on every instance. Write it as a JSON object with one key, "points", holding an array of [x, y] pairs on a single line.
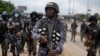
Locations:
{"points": [[97, 41], [1, 27], [91, 31], [29, 41], [32, 44], [16, 40], [66, 26], [73, 31], [53, 28], [16, 44], [4, 28], [82, 31], [23, 35], [40, 16]]}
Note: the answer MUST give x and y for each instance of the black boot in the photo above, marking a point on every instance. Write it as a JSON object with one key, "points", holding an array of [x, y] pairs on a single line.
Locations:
{"points": [[29, 53], [4, 52], [34, 54]]}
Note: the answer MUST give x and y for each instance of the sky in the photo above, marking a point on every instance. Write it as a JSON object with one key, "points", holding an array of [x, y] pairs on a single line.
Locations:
{"points": [[80, 6]]}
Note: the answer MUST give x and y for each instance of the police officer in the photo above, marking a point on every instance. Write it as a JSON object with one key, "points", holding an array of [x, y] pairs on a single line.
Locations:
{"points": [[82, 30], [50, 31], [34, 18], [23, 34], [91, 31], [66, 29], [4, 29], [40, 16], [0, 28], [16, 29], [73, 30], [97, 41], [1, 33], [32, 44]]}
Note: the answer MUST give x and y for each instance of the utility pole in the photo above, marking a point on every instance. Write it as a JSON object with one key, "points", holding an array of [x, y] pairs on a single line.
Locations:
{"points": [[69, 9], [73, 7], [88, 8]]}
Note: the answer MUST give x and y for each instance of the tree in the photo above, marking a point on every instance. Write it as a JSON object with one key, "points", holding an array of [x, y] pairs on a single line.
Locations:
{"points": [[97, 15], [6, 6], [80, 17]]}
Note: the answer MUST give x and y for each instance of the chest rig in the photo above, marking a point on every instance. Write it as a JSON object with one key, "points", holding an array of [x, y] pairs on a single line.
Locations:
{"points": [[16, 22], [93, 30], [52, 31]]}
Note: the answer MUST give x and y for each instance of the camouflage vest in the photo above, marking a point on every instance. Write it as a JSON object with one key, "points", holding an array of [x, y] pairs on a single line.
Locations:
{"points": [[55, 32], [90, 29]]}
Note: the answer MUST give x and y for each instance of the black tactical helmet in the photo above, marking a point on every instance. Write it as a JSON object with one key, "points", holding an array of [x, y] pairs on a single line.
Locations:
{"points": [[52, 5], [5, 15], [16, 13], [92, 18], [33, 13], [40, 14]]}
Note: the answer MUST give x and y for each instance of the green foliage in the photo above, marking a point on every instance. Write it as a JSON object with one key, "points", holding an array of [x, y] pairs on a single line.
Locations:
{"points": [[97, 15], [81, 17], [6, 6]]}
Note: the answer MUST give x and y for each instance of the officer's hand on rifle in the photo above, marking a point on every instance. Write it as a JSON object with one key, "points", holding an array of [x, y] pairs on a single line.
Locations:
{"points": [[13, 26], [43, 39], [52, 53], [18, 34]]}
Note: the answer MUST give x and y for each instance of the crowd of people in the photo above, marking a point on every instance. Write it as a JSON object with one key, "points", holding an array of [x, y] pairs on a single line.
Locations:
{"points": [[49, 31], [16, 30]]}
